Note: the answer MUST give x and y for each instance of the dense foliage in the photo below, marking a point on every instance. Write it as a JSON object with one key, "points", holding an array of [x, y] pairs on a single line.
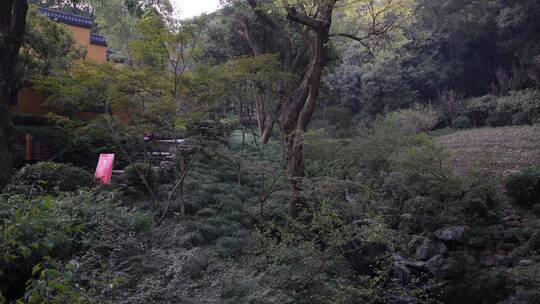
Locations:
{"points": [[281, 152], [49, 178], [524, 186]]}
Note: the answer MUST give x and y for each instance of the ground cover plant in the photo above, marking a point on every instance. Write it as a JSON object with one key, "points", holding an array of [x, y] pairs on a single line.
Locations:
{"points": [[323, 151]]}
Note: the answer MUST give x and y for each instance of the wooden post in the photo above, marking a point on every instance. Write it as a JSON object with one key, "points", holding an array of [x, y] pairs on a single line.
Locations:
{"points": [[28, 147]]}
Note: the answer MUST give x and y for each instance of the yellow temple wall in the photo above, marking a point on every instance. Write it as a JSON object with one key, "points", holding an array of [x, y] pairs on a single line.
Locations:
{"points": [[31, 102]]}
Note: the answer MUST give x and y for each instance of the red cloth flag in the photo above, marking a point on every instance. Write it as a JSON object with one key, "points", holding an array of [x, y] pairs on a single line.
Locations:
{"points": [[104, 168]]}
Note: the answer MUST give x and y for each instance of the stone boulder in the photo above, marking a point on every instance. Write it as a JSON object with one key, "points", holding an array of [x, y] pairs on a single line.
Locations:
{"points": [[442, 268], [430, 248], [455, 234], [398, 270], [416, 265]]}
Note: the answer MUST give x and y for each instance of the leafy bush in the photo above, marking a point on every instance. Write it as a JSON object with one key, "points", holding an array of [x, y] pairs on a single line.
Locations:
{"points": [[75, 142], [310, 261], [51, 177], [83, 142], [204, 125], [461, 122], [210, 233], [418, 118], [295, 256], [518, 108], [498, 119], [231, 246], [521, 118], [520, 101], [41, 228], [426, 167], [524, 186], [525, 281], [142, 223], [30, 233], [141, 176], [376, 145], [331, 157], [54, 285], [338, 116], [478, 109]]}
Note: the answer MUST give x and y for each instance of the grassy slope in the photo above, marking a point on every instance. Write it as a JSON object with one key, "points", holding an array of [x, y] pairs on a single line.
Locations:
{"points": [[502, 150], [193, 260]]}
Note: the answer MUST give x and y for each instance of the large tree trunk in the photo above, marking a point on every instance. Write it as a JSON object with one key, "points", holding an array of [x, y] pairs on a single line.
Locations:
{"points": [[12, 25], [297, 111], [312, 26]]}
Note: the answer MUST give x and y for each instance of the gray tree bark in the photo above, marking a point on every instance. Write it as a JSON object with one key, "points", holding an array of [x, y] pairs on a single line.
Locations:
{"points": [[12, 25]]}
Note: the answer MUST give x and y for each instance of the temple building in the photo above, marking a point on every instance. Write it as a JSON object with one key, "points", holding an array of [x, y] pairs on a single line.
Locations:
{"points": [[31, 102], [29, 110]]}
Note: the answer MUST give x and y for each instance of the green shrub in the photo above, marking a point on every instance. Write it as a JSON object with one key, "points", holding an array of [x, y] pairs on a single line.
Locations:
{"points": [[45, 228], [520, 101], [204, 125], [235, 291], [331, 157], [518, 107], [75, 142], [461, 122], [231, 246], [418, 118], [426, 167], [30, 232], [135, 173], [376, 145], [52, 177], [524, 186], [521, 118], [207, 212], [499, 119], [210, 233], [478, 109], [338, 116], [54, 285], [142, 223], [192, 207]]}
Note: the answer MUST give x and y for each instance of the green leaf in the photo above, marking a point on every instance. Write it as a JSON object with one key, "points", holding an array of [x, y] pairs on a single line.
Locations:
{"points": [[36, 268]]}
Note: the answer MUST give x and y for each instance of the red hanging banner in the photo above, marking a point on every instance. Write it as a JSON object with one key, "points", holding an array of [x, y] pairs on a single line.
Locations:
{"points": [[104, 168]]}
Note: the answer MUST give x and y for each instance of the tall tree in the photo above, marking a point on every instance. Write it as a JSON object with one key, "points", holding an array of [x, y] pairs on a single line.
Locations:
{"points": [[304, 37], [48, 48], [12, 25]]}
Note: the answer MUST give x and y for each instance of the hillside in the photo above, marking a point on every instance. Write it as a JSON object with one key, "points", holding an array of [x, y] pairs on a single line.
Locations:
{"points": [[500, 150], [270, 152]]}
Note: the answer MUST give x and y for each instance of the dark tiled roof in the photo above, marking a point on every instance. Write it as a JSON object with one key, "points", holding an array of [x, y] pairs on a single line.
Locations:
{"points": [[67, 18], [75, 20], [115, 57], [98, 39]]}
